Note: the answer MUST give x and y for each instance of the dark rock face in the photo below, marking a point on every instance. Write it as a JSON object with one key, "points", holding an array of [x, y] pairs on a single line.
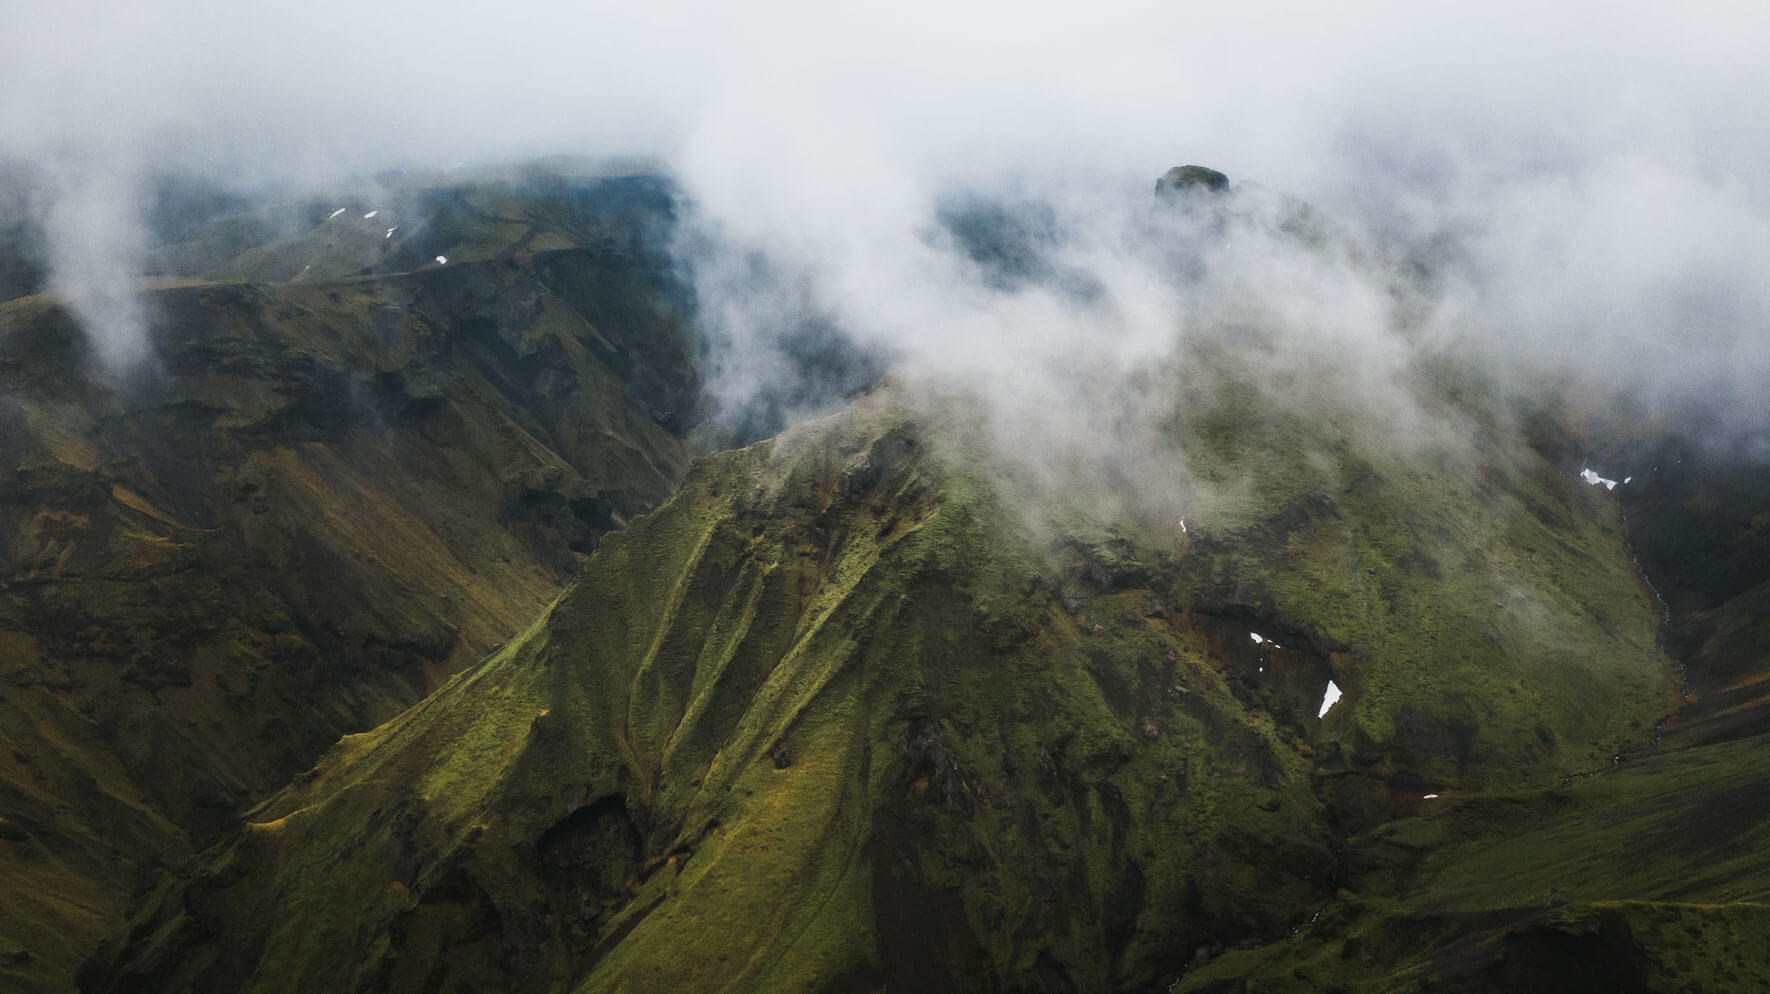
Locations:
{"points": [[592, 861], [1184, 180]]}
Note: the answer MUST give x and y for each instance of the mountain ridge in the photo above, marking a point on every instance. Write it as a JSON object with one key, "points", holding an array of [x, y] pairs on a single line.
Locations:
{"points": [[473, 680], [865, 694], [311, 504]]}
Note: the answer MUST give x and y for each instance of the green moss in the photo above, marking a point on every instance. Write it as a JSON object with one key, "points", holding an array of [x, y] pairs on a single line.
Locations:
{"points": [[819, 709], [338, 488], [816, 724], [1490, 626]]}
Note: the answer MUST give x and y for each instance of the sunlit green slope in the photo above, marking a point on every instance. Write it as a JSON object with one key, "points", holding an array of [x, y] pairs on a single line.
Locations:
{"points": [[833, 718]]}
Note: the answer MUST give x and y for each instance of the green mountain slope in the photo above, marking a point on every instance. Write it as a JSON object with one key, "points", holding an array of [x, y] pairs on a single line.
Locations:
{"points": [[832, 718], [1644, 873], [318, 500]]}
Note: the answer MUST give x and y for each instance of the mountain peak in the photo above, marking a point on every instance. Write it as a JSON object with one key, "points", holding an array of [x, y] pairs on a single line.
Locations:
{"points": [[1182, 179]]}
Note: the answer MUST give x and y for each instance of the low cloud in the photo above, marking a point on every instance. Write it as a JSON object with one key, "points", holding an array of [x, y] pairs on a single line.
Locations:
{"points": [[96, 236], [1584, 188]]}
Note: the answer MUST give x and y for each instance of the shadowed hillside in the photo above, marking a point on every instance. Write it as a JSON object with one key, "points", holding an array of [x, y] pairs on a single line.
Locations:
{"points": [[399, 518], [833, 718], [319, 497]]}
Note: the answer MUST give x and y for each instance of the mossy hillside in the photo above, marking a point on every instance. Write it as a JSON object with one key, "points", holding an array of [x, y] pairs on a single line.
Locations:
{"points": [[472, 494], [836, 681], [69, 835], [472, 759], [1696, 505], [310, 507], [613, 210], [1603, 886], [1671, 840], [1483, 616], [1643, 875], [826, 711], [1386, 948], [1643, 872], [922, 760], [1684, 825], [1723, 652]]}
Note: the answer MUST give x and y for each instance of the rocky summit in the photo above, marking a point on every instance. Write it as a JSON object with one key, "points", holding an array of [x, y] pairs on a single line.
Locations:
{"points": [[400, 630]]}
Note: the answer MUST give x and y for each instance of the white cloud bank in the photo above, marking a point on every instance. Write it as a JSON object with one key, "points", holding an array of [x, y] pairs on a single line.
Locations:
{"points": [[1589, 178]]}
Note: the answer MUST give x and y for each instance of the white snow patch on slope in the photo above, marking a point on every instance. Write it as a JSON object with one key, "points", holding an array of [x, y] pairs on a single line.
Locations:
{"points": [[1329, 699], [1594, 479]]}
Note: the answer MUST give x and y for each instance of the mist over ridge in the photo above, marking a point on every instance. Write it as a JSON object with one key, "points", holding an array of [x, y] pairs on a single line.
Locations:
{"points": [[1582, 191], [906, 496]]}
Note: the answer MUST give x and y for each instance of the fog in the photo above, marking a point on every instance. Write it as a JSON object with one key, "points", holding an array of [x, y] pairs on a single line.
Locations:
{"points": [[1584, 184]]}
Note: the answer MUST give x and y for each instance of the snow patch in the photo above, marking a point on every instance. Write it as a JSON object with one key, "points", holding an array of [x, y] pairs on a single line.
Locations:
{"points": [[1594, 479], [336, 213], [1329, 699], [1182, 526], [1429, 796], [442, 260], [1256, 636], [370, 215], [391, 230]]}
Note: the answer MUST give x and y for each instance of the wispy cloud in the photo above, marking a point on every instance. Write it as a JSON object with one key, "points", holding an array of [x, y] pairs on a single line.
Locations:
{"points": [[1586, 183]]}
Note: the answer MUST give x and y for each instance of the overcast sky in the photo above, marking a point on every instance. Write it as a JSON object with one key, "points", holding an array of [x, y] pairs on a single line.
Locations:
{"points": [[1602, 167], [1274, 90]]}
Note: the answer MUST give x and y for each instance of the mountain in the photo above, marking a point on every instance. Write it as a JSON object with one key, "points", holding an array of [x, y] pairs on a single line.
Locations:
{"points": [[348, 470], [843, 714], [1642, 874], [413, 621]]}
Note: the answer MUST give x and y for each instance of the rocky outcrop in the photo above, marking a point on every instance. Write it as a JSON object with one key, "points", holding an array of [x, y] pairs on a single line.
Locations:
{"points": [[1182, 181]]}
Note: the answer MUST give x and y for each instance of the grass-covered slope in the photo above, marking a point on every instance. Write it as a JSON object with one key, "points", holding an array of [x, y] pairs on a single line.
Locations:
{"points": [[308, 507], [1475, 601], [1641, 873], [1699, 516], [832, 719], [1646, 877]]}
